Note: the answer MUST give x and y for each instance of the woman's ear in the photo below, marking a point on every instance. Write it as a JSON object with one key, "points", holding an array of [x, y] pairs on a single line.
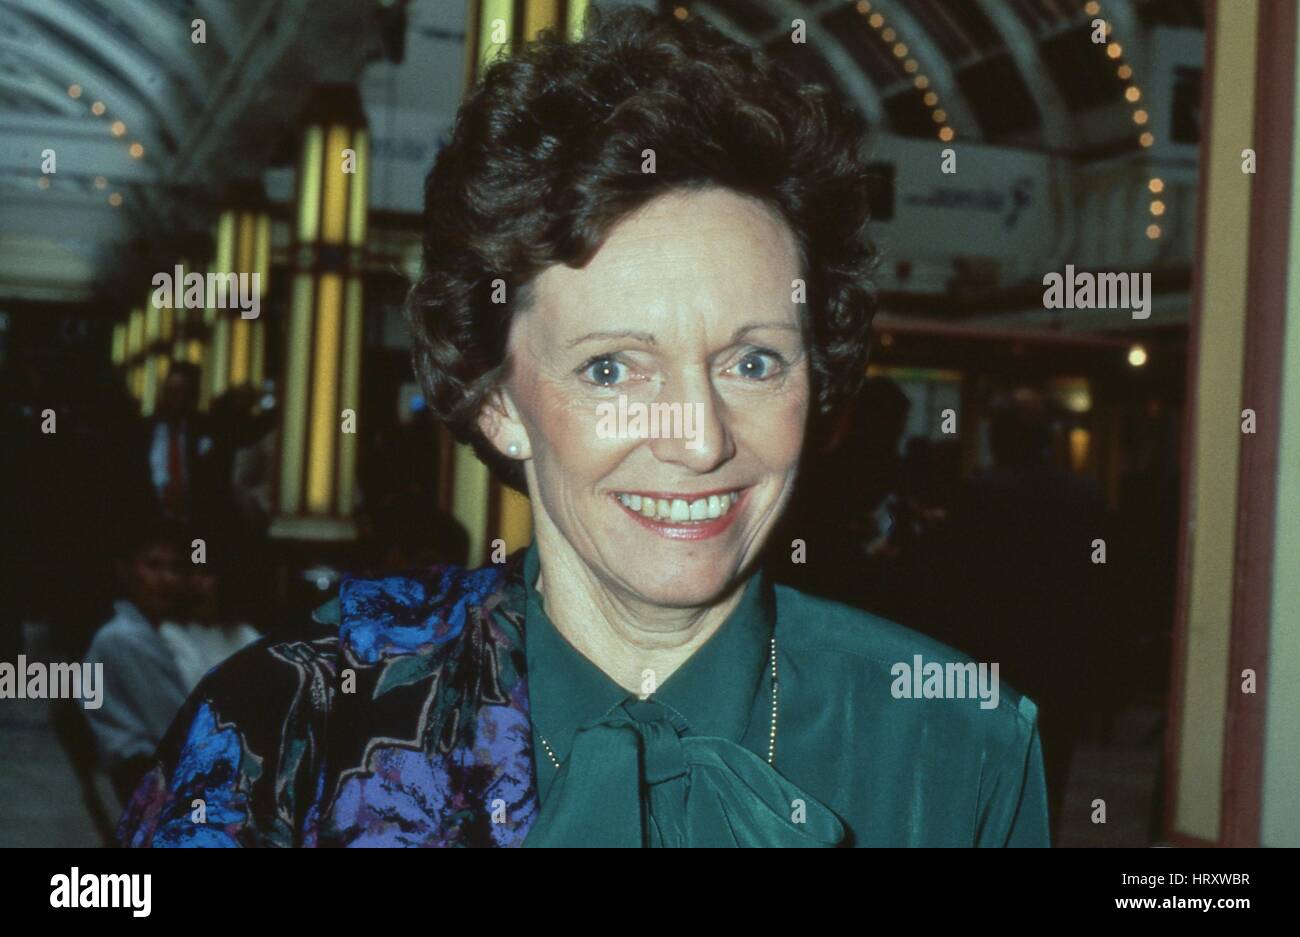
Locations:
{"points": [[499, 422]]}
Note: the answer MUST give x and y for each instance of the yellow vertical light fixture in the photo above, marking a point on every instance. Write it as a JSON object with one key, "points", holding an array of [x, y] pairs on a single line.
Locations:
{"points": [[135, 352], [161, 324], [262, 267], [149, 380], [118, 349], [497, 26], [488, 509], [119, 344], [184, 325], [182, 328], [321, 396], [236, 356], [191, 321], [190, 342]]}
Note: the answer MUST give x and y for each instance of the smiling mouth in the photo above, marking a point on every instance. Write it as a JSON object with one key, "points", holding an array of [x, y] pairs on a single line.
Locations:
{"points": [[697, 509]]}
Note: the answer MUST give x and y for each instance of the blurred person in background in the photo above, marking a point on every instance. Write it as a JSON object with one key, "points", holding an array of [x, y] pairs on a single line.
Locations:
{"points": [[406, 530], [209, 629], [179, 448], [1015, 579], [143, 686], [853, 510], [252, 471], [62, 523], [235, 423]]}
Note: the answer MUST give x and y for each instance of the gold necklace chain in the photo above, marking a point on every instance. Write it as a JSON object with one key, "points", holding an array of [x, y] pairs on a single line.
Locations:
{"points": [[771, 736]]}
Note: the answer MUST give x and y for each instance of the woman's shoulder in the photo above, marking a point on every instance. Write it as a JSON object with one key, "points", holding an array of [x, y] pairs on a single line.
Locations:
{"points": [[231, 766], [824, 624], [292, 669], [911, 700], [251, 738], [372, 620], [413, 612], [281, 651], [879, 653]]}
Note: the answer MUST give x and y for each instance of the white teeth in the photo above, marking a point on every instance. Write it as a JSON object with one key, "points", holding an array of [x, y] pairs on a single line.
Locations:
{"points": [[679, 510]]}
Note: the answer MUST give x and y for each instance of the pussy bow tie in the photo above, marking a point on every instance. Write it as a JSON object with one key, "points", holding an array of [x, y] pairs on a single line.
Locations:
{"points": [[632, 779]]}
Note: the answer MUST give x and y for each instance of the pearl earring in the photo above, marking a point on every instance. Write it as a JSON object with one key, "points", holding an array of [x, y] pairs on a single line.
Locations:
{"points": [[513, 450]]}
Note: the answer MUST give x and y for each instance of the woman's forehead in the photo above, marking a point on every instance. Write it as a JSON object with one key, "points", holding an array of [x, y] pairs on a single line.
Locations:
{"points": [[709, 258]]}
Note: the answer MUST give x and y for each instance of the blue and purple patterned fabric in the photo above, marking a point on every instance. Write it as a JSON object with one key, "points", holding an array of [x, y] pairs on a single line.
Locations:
{"points": [[399, 719]]}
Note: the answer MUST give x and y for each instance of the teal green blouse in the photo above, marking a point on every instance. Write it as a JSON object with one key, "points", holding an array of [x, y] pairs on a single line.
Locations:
{"points": [[858, 760]]}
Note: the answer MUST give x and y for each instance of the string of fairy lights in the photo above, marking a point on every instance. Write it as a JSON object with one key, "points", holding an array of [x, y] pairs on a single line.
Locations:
{"points": [[929, 97], [1137, 353], [889, 37], [1141, 117], [1114, 51], [117, 128]]}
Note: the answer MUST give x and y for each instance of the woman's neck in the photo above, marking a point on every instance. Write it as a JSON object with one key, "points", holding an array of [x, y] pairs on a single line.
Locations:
{"points": [[637, 644]]}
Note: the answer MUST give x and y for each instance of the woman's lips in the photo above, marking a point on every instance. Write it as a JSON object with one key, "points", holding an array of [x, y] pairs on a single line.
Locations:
{"points": [[670, 515]]}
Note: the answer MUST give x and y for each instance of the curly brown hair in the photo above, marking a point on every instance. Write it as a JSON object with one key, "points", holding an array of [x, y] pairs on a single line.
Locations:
{"points": [[546, 156]]}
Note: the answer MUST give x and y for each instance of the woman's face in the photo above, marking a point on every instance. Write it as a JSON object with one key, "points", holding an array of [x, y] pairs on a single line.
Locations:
{"points": [[659, 396]]}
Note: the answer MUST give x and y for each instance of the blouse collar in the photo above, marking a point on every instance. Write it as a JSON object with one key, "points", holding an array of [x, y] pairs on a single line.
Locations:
{"points": [[714, 692]]}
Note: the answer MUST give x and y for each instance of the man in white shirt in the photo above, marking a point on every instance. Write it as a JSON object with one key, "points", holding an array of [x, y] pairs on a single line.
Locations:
{"points": [[143, 686], [209, 634]]}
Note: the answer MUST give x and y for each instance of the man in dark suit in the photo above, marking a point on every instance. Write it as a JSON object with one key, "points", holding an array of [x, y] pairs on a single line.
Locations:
{"points": [[179, 449]]}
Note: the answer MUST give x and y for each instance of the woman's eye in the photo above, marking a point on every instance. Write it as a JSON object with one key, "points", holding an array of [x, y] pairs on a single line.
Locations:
{"points": [[604, 371], [759, 365]]}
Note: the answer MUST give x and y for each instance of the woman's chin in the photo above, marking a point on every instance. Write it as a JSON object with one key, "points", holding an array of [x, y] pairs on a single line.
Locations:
{"points": [[677, 574], [678, 588]]}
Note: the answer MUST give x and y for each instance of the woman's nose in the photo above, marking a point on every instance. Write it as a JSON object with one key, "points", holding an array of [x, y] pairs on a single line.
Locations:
{"points": [[701, 439]]}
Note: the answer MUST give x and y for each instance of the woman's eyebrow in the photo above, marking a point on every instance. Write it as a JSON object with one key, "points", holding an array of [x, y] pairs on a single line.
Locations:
{"points": [[644, 337], [746, 329], [647, 339]]}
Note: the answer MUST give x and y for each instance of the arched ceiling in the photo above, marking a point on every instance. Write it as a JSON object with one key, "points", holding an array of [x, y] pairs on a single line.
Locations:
{"points": [[141, 119], [1012, 72], [90, 78]]}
